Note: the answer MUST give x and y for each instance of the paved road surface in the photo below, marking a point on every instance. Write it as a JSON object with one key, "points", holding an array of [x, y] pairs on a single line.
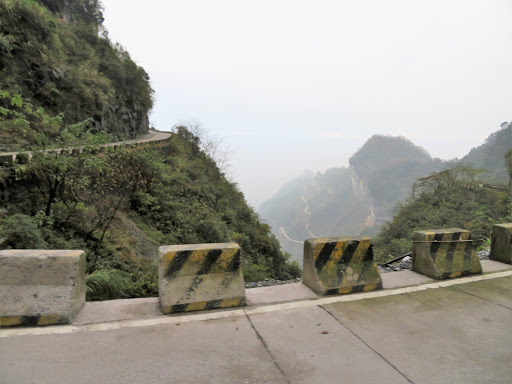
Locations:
{"points": [[151, 136], [453, 334]]}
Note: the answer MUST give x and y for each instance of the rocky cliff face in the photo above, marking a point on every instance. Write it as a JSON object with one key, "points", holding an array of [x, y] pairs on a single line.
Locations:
{"points": [[126, 120], [362, 194]]}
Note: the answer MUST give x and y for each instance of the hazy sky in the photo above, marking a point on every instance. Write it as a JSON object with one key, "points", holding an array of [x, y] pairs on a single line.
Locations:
{"points": [[294, 85]]}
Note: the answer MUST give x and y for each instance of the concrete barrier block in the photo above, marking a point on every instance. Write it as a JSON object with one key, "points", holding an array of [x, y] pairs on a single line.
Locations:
{"points": [[7, 159], [200, 276], [501, 243], [444, 253], [336, 265], [41, 287]]}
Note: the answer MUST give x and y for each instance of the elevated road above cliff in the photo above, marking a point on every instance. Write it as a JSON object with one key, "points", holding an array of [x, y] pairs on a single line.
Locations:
{"points": [[8, 158]]}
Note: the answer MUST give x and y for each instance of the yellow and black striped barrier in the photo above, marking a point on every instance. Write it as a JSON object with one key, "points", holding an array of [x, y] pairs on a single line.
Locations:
{"points": [[444, 253], [336, 265], [501, 243], [32, 321], [200, 277]]}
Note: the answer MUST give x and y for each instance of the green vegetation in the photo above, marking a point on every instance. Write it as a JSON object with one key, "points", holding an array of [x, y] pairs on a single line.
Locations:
{"points": [[490, 156], [52, 57], [442, 200], [63, 84], [508, 164], [120, 206]]}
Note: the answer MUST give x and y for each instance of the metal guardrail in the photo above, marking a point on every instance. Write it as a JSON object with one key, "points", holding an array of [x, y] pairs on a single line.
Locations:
{"points": [[500, 187], [23, 157]]}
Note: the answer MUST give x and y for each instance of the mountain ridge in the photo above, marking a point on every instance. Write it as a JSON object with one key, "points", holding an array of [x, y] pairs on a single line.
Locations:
{"points": [[354, 200]]}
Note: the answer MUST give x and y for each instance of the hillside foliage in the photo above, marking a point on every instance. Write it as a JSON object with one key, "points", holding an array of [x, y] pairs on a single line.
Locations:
{"points": [[389, 166], [492, 158], [120, 206], [444, 200], [64, 84], [53, 57]]}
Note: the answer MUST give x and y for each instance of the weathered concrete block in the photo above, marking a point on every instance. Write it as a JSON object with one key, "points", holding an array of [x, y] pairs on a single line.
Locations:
{"points": [[501, 243], [41, 287], [444, 253], [334, 265], [200, 276], [7, 159]]}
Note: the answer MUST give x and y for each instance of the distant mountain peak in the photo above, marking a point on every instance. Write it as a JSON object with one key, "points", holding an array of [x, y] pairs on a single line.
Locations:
{"points": [[380, 150]]}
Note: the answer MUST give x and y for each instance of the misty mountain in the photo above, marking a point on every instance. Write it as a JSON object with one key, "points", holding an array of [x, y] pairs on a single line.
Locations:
{"points": [[490, 155], [359, 199], [348, 201]]}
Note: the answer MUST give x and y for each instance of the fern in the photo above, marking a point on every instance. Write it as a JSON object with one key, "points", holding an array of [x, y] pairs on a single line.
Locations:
{"points": [[107, 284]]}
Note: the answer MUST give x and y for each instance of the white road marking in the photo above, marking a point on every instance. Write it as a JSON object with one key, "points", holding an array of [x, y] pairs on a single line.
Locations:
{"points": [[176, 319]]}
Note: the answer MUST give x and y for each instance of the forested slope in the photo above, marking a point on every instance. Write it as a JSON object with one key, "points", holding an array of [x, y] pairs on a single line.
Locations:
{"points": [[120, 206], [54, 57], [63, 84], [442, 200], [490, 156]]}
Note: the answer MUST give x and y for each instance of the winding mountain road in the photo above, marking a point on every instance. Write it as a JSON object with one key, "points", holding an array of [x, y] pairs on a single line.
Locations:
{"points": [[151, 136], [306, 211], [283, 232]]}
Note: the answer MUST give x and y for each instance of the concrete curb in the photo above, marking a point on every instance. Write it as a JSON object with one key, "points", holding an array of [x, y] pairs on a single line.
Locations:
{"points": [[222, 314]]}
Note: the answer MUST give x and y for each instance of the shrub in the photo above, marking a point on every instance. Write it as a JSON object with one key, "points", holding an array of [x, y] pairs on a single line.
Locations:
{"points": [[107, 284], [21, 232]]}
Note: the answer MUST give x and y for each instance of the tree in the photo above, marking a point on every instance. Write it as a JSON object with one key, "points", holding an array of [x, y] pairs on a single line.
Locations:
{"points": [[60, 169], [213, 147], [440, 182], [109, 191]]}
